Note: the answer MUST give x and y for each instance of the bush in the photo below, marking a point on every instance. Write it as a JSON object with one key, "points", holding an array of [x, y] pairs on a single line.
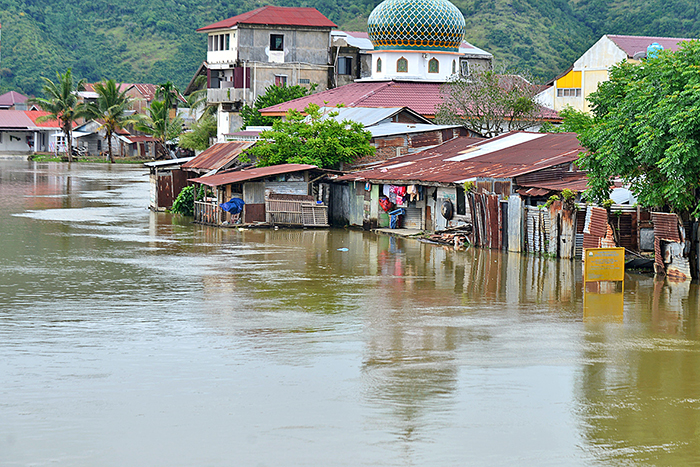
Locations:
{"points": [[184, 203]]}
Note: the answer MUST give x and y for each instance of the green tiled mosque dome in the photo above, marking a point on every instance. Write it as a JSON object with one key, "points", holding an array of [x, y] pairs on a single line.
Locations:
{"points": [[416, 25]]}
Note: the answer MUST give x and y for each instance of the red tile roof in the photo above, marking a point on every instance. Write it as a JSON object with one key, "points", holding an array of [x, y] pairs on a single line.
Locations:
{"points": [[533, 153], [11, 98], [421, 97], [251, 174], [633, 44], [35, 114], [218, 155], [276, 15]]}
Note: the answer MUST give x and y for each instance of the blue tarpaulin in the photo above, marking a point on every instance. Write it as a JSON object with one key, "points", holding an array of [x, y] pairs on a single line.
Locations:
{"points": [[234, 205]]}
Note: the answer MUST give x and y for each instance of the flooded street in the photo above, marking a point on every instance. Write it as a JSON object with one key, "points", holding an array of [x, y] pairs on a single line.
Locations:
{"points": [[130, 338]]}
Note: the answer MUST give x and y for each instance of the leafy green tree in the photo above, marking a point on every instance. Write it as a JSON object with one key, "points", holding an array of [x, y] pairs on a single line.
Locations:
{"points": [[61, 102], [573, 121], [273, 95], [202, 131], [646, 131], [318, 139], [110, 110], [489, 103], [159, 125]]}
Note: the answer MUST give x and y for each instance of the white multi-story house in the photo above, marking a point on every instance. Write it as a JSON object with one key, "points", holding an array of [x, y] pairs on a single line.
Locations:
{"points": [[268, 46]]}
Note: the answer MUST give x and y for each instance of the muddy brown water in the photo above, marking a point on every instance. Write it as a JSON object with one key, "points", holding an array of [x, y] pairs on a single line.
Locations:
{"points": [[134, 338]]}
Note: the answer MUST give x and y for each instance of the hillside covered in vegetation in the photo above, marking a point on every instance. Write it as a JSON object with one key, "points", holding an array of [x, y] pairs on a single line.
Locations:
{"points": [[155, 40]]}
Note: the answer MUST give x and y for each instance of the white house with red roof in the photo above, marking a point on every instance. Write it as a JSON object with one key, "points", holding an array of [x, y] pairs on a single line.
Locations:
{"points": [[25, 132], [267, 46], [573, 87]]}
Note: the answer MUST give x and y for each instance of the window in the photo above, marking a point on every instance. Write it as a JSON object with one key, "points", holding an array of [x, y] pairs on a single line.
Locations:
{"points": [[304, 81], [402, 65], [277, 42], [433, 66], [454, 67], [280, 80], [461, 202], [219, 42], [344, 65], [569, 92], [379, 65]]}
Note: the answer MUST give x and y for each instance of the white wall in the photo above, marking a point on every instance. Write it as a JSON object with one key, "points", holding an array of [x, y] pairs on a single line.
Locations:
{"points": [[417, 65], [14, 141], [601, 56]]}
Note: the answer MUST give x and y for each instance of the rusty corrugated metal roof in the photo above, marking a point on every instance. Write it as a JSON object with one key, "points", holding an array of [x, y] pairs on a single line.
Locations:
{"points": [[251, 174], [533, 191], [577, 181], [462, 159], [596, 221], [665, 226], [218, 155]]}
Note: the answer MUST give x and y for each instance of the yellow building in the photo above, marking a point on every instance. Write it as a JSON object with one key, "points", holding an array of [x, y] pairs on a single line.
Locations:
{"points": [[572, 87]]}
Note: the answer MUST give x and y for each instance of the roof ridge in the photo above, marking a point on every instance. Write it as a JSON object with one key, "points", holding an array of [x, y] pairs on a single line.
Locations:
{"points": [[371, 93], [651, 37]]}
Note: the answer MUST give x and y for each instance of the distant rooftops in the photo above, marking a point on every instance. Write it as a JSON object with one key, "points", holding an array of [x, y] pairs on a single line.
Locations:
{"points": [[421, 97], [633, 44], [9, 99], [275, 15]]}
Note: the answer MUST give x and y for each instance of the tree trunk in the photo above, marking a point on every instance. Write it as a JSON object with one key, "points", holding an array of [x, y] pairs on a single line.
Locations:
{"points": [[109, 145], [69, 141]]}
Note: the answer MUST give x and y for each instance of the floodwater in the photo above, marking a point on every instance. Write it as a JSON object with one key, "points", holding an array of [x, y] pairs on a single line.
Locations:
{"points": [[129, 338]]}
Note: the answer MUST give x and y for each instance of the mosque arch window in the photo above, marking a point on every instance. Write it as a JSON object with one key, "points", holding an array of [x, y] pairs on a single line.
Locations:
{"points": [[402, 65], [433, 65], [379, 65]]}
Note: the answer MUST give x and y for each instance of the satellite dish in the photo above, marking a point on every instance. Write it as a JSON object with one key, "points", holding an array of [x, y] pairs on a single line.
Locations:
{"points": [[640, 55]]}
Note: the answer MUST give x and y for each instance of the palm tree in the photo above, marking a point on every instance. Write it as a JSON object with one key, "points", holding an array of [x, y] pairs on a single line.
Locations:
{"points": [[159, 125], [111, 110], [61, 102]]}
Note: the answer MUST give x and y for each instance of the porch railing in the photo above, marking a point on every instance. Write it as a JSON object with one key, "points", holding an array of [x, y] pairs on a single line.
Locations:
{"points": [[207, 212]]}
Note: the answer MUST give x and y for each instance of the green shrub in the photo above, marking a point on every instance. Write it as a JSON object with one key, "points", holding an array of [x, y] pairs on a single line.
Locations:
{"points": [[184, 203], [607, 204], [551, 200], [568, 195]]}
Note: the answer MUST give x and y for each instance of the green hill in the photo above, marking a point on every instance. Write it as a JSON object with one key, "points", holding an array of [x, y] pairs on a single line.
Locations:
{"points": [[155, 40]]}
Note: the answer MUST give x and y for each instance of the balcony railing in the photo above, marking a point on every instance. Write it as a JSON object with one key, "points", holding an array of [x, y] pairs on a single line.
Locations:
{"points": [[217, 96]]}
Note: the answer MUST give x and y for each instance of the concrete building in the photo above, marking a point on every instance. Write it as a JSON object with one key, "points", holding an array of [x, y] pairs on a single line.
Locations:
{"points": [[573, 87], [264, 47]]}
